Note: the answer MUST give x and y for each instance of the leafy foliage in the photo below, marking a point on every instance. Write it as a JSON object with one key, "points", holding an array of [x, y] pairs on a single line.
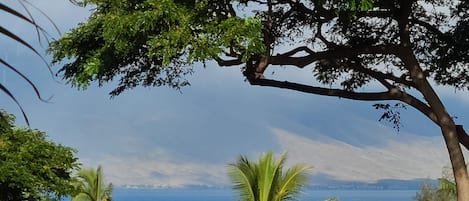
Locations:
{"points": [[392, 113], [400, 46], [92, 187], [266, 180], [152, 43], [33, 168], [445, 190]]}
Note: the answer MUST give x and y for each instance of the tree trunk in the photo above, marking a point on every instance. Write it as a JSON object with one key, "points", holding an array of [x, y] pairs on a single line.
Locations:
{"points": [[458, 163], [445, 122]]}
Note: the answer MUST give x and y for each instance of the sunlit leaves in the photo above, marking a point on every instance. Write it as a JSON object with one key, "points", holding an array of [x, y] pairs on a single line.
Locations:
{"points": [[266, 179], [151, 43], [32, 167]]}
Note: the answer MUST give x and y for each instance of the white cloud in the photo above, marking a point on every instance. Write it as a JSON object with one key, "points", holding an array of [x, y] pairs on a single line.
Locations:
{"points": [[422, 157], [419, 158], [123, 171]]}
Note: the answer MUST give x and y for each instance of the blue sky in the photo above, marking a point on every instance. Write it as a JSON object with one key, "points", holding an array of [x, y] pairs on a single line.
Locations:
{"points": [[162, 137]]}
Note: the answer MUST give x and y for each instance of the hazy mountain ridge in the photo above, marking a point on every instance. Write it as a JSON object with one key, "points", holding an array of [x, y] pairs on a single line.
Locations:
{"points": [[323, 182], [319, 182]]}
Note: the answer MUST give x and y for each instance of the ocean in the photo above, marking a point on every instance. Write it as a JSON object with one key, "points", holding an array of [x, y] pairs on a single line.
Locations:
{"points": [[230, 195]]}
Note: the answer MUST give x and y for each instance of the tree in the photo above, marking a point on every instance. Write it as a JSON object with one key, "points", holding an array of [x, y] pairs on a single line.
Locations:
{"points": [[266, 180], [33, 168], [403, 46], [92, 187]]}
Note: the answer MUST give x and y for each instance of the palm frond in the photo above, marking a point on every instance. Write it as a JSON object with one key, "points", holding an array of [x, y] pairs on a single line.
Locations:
{"points": [[292, 182], [36, 90], [82, 197], [267, 171], [7, 92], [4, 31], [93, 185], [244, 176], [265, 180]]}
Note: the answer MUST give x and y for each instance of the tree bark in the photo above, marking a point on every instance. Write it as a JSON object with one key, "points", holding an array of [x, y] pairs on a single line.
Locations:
{"points": [[445, 122]]}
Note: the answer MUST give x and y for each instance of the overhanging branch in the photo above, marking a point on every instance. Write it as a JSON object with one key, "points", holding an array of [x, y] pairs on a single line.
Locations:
{"points": [[323, 91], [392, 94]]}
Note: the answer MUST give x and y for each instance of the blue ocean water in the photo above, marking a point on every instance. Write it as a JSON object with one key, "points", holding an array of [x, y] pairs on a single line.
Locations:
{"points": [[230, 195]]}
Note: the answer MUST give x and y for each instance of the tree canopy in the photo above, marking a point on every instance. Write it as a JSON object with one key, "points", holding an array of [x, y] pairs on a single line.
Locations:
{"points": [[32, 167], [402, 46], [154, 43]]}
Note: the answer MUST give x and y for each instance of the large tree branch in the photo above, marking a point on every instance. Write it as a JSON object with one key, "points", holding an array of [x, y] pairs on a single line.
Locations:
{"points": [[340, 52], [323, 91], [392, 94]]}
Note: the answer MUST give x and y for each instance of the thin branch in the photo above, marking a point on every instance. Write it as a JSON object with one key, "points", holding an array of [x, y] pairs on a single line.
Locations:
{"points": [[433, 29], [297, 50], [233, 62], [319, 36], [384, 76]]}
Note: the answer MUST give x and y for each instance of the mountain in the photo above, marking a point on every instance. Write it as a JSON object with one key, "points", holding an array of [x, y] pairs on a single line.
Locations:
{"points": [[326, 182]]}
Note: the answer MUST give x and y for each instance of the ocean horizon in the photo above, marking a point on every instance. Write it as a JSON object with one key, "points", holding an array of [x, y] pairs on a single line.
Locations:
{"points": [[127, 194]]}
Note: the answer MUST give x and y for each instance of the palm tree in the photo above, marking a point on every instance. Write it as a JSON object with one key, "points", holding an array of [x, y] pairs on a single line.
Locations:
{"points": [[40, 31], [266, 180], [92, 186]]}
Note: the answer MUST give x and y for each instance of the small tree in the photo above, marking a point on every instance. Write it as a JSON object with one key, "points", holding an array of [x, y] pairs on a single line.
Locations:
{"points": [[92, 187], [32, 167], [266, 180]]}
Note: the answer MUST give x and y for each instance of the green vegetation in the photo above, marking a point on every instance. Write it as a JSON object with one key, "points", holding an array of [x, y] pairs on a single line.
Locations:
{"points": [[92, 187], [445, 190], [32, 167], [404, 46], [266, 180]]}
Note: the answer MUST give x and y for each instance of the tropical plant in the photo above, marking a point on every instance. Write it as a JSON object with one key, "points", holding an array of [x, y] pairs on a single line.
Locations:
{"points": [[8, 33], [32, 167], [41, 32], [266, 180], [91, 186]]}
